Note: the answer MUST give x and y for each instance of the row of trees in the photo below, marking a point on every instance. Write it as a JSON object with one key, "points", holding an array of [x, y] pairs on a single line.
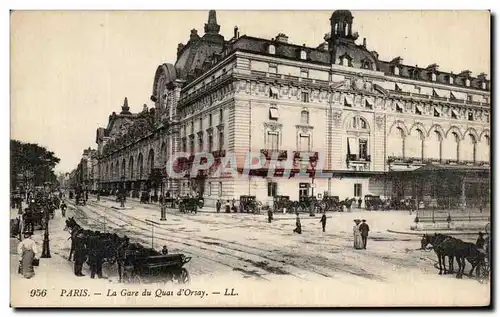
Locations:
{"points": [[31, 164]]}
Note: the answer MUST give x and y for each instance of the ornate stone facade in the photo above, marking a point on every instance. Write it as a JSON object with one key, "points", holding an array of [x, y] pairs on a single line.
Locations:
{"points": [[367, 116]]}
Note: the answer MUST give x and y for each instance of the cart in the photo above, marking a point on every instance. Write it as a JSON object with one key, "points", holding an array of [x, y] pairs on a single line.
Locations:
{"points": [[191, 204], [157, 268], [249, 204], [373, 202], [484, 267]]}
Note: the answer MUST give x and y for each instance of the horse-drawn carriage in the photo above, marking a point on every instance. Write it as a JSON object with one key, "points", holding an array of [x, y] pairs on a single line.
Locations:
{"points": [[330, 203], [307, 204], [249, 204], [145, 196], [191, 204], [145, 265], [484, 268], [80, 200], [280, 202], [373, 202]]}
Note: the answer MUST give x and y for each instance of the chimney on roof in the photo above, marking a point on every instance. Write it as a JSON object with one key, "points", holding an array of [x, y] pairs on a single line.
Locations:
{"points": [[236, 32], [281, 37], [364, 42]]}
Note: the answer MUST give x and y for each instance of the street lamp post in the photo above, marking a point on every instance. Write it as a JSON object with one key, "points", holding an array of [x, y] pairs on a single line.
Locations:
{"points": [[46, 240]]}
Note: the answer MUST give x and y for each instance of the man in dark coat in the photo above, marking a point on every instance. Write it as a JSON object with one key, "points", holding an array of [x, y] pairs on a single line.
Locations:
{"points": [[298, 225], [96, 254], [480, 240], [323, 221], [364, 228], [218, 205], [269, 215], [80, 254]]}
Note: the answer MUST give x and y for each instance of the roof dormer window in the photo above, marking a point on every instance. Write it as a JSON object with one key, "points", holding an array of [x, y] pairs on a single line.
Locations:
{"points": [[483, 85], [433, 76], [271, 49], [345, 61], [450, 80], [396, 70], [303, 55], [467, 82]]}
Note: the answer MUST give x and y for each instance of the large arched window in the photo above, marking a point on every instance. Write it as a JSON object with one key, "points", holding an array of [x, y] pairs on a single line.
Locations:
{"points": [[140, 166], [151, 160], [433, 145], [415, 144], [131, 167], [123, 169], [454, 146], [469, 148], [396, 142], [483, 149]]}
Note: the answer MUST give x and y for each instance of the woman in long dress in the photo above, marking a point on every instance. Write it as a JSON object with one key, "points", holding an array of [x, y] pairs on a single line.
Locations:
{"points": [[27, 251], [358, 242]]}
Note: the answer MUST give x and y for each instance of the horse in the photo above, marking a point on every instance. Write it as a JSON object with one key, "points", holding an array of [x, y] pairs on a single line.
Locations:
{"points": [[347, 203], [454, 248], [470, 252], [441, 252]]}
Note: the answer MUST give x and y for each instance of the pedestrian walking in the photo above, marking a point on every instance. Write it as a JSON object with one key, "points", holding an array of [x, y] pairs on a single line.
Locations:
{"points": [[358, 242], [364, 228], [218, 205], [298, 226], [63, 209], [359, 202], [228, 209], [269, 215], [28, 253], [323, 221]]}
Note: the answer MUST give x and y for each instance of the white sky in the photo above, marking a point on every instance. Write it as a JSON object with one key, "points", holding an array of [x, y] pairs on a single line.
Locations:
{"points": [[70, 70]]}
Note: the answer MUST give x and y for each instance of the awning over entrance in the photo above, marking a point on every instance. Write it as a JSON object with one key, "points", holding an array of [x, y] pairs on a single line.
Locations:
{"points": [[403, 168]]}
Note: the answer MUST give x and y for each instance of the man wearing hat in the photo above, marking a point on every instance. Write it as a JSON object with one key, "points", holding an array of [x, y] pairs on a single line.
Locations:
{"points": [[364, 228], [480, 240], [27, 251]]}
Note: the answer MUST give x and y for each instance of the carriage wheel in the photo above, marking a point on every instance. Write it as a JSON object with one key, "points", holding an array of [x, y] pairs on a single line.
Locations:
{"points": [[181, 277], [484, 273]]}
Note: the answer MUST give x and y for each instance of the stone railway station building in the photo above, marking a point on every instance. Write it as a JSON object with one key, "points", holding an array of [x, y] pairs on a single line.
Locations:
{"points": [[377, 123]]}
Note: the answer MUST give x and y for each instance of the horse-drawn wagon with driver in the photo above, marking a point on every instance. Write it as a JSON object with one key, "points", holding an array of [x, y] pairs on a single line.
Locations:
{"points": [[191, 204], [146, 265]]}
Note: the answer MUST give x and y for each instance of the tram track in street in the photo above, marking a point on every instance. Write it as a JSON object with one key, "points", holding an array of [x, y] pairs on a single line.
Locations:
{"points": [[222, 244]]}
